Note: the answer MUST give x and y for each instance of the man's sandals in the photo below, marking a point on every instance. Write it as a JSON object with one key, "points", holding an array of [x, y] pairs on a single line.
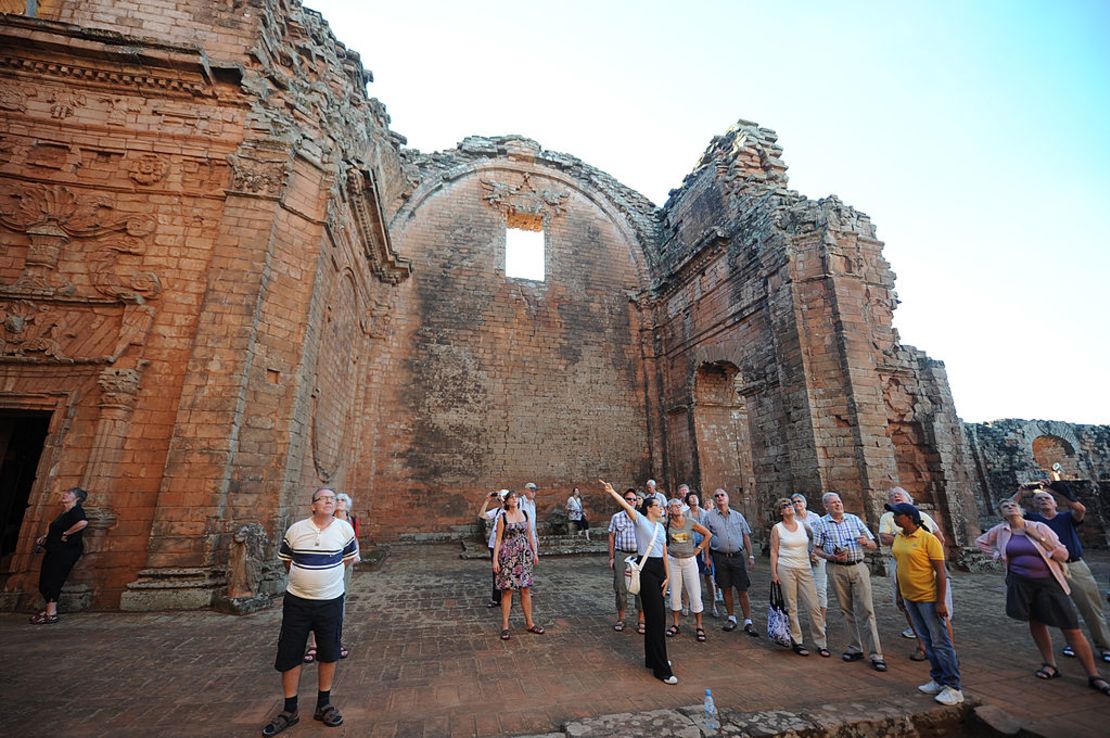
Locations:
{"points": [[1099, 685], [673, 631], [1047, 671], [328, 715], [43, 619], [700, 634], [280, 722]]}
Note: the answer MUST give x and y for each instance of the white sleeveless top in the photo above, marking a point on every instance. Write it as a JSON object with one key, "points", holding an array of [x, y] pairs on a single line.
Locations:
{"points": [[793, 547]]}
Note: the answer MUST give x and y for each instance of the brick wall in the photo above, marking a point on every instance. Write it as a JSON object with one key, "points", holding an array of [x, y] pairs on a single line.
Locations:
{"points": [[493, 382]]}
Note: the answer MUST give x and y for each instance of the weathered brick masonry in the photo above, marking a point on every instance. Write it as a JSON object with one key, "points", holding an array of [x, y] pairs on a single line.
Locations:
{"points": [[1007, 453], [224, 282], [194, 250]]}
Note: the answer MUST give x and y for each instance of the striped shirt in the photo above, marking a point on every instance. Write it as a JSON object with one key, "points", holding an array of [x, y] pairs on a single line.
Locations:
{"points": [[318, 558]]}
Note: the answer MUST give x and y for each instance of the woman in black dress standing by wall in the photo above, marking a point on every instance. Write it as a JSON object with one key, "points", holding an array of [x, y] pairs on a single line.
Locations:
{"points": [[63, 547]]}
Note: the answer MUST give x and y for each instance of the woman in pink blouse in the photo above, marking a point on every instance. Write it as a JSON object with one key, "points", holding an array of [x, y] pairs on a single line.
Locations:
{"points": [[1037, 588]]}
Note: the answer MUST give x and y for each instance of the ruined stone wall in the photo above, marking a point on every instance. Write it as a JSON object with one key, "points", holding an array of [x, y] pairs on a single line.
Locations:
{"points": [[1008, 453], [493, 381], [193, 266], [792, 300]]}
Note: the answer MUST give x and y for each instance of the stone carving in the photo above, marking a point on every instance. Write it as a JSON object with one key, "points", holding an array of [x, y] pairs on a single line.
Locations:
{"points": [[525, 200], [373, 236], [143, 82], [148, 169], [377, 322], [29, 328], [132, 286], [118, 387], [15, 98], [51, 216], [64, 103], [246, 561], [264, 177], [23, 207]]}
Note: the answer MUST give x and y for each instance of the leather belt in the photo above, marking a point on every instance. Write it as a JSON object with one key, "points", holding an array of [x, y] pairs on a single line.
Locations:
{"points": [[845, 563], [728, 554]]}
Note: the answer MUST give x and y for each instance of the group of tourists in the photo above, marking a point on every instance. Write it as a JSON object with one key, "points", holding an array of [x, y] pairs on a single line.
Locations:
{"points": [[673, 545]]}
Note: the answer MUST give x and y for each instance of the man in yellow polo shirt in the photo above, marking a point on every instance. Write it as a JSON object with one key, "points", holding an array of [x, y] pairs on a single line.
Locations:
{"points": [[922, 581]]}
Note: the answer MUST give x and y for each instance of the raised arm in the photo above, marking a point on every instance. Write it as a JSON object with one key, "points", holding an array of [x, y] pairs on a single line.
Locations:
{"points": [[618, 497]]}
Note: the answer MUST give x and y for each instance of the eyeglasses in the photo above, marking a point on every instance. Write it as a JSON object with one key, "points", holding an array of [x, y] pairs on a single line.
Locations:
{"points": [[720, 495], [323, 498], [629, 499], [787, 506]]}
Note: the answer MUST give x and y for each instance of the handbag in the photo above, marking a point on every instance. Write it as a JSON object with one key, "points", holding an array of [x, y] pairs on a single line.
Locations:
{"points": [[778, 621], [632, 567]]}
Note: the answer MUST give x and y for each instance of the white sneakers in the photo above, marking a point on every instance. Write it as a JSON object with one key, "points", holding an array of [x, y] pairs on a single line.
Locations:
{"points": [[931, 688], [949, 696], [943, 695], [672, 679], [908, 633]]}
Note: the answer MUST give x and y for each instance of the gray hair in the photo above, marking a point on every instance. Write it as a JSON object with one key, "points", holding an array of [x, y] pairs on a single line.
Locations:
{"points": [[799, 496], [825, 497], [902, 490], [684, 487], [650, 483], [344, 497]]}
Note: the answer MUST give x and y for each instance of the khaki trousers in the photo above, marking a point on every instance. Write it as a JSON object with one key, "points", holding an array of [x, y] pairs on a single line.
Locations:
{"points": [[795, 582], [1088, 600], [852, 585]]}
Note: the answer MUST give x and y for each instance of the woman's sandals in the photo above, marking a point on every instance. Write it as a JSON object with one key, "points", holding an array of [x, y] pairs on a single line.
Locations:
{"points": [[673, 631]]}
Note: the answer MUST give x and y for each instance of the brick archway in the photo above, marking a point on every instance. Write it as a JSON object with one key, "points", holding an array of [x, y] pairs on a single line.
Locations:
{"points": [[1049, 449], [722, 435]]}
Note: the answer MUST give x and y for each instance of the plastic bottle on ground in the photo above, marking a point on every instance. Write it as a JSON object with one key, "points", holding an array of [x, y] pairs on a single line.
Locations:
{"points": [[712, 723]]}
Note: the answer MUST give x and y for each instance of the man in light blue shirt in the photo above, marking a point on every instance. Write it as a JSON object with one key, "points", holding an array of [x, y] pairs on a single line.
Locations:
{"points": [[730, 548]]}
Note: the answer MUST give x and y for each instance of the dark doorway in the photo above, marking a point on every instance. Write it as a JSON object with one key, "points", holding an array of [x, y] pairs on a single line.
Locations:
{"points": [[22, 435]]}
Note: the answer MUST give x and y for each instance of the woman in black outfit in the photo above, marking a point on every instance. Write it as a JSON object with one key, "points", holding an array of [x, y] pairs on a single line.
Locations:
{"points": [[63, 547], [653, 581]]}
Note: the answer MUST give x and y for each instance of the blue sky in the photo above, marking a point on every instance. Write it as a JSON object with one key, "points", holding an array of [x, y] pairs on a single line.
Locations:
{"points": [[975, 134]]}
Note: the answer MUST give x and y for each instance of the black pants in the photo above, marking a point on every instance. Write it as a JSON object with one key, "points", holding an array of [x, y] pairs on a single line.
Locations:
{"points": [[56, 566], [495, 593], [655, 621]]}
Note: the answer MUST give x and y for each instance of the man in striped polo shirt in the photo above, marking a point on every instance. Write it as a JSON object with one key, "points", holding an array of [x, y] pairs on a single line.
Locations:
{"points": [[315, 552]]}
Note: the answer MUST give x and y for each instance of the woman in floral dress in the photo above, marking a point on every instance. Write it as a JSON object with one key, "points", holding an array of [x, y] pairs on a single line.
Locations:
{"points": [[514, 555]]}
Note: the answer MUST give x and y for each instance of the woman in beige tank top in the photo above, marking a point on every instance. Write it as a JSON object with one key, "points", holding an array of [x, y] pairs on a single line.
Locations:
{"points": [[790, 541]]}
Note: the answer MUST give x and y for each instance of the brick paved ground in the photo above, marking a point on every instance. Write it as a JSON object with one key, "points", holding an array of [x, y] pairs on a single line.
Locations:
{"points": [[426, 661]]}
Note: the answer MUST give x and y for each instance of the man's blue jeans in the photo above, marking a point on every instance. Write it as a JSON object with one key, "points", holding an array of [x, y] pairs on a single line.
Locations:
{"points": [[933, 632]]}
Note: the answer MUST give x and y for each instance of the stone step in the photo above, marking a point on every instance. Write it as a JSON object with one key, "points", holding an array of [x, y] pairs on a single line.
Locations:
{"points": [[559, 545]]}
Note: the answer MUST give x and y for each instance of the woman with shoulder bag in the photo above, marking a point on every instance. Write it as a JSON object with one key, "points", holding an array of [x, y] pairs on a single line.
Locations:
{"points": [[651, 546]]}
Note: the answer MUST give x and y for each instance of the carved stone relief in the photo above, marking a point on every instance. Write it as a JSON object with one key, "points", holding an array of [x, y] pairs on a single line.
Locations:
{"points": [[369, 227], [260, 173], [14, 97], [52, 216], [118, 387], [524, 202], [64, 103], [148, 169]]}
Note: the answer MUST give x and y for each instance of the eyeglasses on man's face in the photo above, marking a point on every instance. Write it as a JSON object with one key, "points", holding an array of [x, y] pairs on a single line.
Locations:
{"points": [[324, 498]]}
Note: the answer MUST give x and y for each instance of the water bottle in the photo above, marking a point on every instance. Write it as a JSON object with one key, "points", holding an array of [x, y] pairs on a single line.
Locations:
{"points": [[712, 724]]}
